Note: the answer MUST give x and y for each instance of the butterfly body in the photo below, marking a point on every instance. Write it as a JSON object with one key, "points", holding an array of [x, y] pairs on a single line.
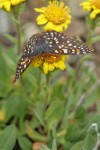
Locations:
{"points": [[49, 42]]}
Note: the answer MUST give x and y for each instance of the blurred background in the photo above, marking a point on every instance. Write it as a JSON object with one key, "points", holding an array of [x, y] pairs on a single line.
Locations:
{"points": [[75, 92]]}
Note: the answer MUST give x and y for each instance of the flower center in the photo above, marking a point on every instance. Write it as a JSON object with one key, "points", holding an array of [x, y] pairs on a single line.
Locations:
{"points": [[96, 3], [50, 58], [56, 14]]}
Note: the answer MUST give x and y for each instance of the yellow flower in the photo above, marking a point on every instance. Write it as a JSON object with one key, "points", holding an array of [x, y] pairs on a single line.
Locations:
{"points": [[7, 3], [55, 16], [49, 62], [93, 6]]}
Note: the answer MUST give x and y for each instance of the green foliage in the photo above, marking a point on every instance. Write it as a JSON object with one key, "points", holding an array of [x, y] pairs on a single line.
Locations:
{"points": [[62, 122], [8, 138]]}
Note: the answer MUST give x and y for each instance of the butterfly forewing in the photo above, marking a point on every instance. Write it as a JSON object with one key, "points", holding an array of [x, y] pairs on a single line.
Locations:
{"points": [[59, 43]]}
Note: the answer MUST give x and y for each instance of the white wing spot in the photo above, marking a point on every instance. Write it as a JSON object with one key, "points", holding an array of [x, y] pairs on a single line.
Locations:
{"points": [[70, 44], [25, 66], [56, 51], [68, 41], [65, 50]]}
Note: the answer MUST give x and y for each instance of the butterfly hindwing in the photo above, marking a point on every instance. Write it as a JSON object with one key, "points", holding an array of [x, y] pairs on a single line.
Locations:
{"points": [[21, 67]]}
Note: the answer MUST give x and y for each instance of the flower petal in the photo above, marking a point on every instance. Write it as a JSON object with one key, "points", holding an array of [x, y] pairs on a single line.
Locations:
{"points": [[45, 67], [59, 28], [94, 13], [61, 65], [36, 62], [86, 5], [7, 6], [51, 67], [41, 19], [16, 2], [49, 26], [42, 9], [63, 57]]}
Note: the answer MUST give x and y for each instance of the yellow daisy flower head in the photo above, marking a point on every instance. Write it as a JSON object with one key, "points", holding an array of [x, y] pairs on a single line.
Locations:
{"points": [[49, 62], [8, 3], [93, 6], [55, 16]]}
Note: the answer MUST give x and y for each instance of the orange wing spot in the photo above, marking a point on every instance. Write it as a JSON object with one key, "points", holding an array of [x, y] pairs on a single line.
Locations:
{"points": [[60, 51], [69, 51], [78, 51], [24, 62]]}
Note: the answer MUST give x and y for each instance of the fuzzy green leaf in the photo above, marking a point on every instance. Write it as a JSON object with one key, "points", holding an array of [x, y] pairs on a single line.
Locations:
{"points": [[8, 138]]}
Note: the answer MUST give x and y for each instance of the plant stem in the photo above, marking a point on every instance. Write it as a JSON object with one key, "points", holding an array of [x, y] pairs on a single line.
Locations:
{"points": [[18, 29], [18, 35], [39, 82], [47, 98], [48, 80]]}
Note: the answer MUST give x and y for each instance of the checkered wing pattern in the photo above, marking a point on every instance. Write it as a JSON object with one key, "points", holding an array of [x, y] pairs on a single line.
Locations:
{"points": [[49, 42], [59, 43]]}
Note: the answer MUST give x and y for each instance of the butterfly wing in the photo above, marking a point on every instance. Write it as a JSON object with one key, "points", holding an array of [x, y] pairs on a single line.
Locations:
{"points": [[59, 43], [21, 67], [26, 59], [35, 47], [49, 42]]}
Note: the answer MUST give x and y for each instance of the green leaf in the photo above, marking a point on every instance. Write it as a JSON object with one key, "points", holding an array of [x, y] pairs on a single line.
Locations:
{"points": [[24, 143], [11, 38], [67, 145], [95, 39], [34, 135], [19, 106], [39, 112], [74, 133], [77, 146], [89, 142], [80, 113], [54, 145], [43, 147], [8, 138], [54, 113], [92, 97]]}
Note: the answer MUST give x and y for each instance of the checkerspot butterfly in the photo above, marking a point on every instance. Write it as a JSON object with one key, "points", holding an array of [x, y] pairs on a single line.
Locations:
{"points": [[49, 42]]}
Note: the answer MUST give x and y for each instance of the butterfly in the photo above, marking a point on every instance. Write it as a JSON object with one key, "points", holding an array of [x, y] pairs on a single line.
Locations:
{"points": [[49, 42]]}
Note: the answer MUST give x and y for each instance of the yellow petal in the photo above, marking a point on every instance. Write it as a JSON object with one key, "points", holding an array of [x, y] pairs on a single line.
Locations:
{"points": [[16, 2], [65, 26], [41, 19], [94, 13], [49, 26], [63, 57], [51, 67], [86, 5], [36, 62], [61, 65], [59, 28], [7, 6], [45, 67], [61, 5], [55, 64], [1, 5], [42, 9]]}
